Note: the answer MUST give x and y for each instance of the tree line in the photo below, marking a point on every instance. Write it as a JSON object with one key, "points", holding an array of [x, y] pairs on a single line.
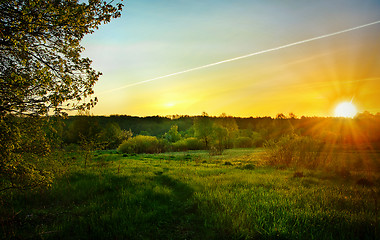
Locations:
{"points": [[29, 145], [219, 132]]}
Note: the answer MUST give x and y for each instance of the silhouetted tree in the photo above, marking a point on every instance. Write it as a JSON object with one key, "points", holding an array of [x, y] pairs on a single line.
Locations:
{"points": [[280, 116], [292, 116]]}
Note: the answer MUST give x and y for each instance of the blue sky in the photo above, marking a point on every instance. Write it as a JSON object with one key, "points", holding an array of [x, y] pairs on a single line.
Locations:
{"points": [[156, 38]]}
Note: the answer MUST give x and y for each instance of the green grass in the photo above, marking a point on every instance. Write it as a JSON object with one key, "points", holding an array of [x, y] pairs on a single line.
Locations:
{"points": [[193, 195]]}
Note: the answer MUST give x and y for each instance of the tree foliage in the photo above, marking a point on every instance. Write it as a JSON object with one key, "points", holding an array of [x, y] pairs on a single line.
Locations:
{"points": [[229, 124], [112, 135], [40, 59], [220, 139], [41, 69], [23, 150], [172, 135], [203, 127], [140, 144], [84, 126]]}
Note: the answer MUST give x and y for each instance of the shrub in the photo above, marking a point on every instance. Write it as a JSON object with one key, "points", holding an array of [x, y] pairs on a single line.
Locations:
{"points": [[112, 135], [163, 145], [180, 145], [280, 152], [294, 150], [215, 150], [194, 144], [243, 142], [257, 139], [308, 152], [140, 144], [188, 144]]}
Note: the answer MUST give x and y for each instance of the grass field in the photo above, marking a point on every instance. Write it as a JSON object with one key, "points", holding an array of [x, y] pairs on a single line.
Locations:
{"points": [[193, 195]]}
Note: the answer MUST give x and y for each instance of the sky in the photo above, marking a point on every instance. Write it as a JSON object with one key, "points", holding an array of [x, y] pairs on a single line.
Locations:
{"points": [[157, 59]]}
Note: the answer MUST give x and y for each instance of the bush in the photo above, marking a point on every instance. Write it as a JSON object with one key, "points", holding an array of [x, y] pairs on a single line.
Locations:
{"points": [[194, 144], [140, 144], [188, 144], [257, 139], [280, 152], [163, 145], [180, 145], [243, 142], [112, 136], [215, 150], [294, 150]]}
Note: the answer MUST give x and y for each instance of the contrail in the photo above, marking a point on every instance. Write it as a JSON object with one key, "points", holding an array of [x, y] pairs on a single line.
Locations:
{"points": [[244, 56]]}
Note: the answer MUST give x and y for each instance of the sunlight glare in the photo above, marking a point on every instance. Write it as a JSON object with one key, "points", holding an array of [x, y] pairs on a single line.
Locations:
{"points": [[345, 109], [170, 104]]}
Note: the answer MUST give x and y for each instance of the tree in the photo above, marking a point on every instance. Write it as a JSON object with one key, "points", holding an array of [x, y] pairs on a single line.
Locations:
{"points": [[220, 139], [24, 150], [84, 126], [86, 131], [292, 116], [40, 63], [172, 135], [112, 135], [203, 128], [41, 69], [280, 116], [229, 123]]}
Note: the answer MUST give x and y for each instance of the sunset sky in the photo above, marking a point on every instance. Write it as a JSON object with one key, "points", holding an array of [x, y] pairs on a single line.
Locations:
{"points": [[159, 38]]}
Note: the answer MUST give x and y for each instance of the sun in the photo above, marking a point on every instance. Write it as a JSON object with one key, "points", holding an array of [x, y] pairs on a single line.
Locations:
{"points": [[169, 104], [345, 109]]}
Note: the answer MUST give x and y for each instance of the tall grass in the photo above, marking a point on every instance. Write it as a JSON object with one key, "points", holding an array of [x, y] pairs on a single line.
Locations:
{"points": [[193, 196]]}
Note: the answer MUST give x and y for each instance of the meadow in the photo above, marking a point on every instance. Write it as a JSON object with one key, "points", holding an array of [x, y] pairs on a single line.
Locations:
{"points": [[101, 174], [194, 195]]}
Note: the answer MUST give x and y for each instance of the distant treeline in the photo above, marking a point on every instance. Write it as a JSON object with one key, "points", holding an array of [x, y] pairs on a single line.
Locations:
{"points": [[362, 130], [32, 147]]}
